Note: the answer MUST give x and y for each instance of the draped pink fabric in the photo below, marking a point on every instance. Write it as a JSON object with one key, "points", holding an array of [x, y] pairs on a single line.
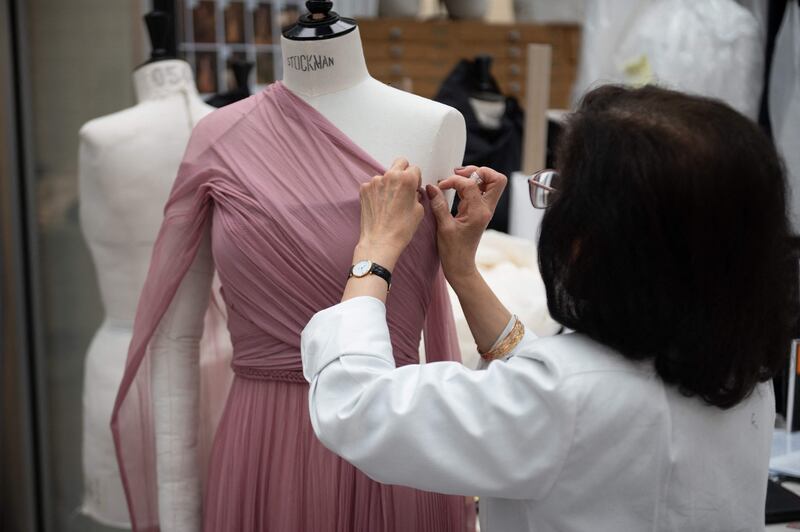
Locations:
{"points": [[278, 185], [216, 374]]}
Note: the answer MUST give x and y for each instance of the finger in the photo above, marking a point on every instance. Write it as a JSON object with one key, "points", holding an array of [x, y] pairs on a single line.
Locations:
{"points": [[439, 206], [465, 171], [447, 182], [467, 188], [494, 183], [417, 173], [399, 164]]}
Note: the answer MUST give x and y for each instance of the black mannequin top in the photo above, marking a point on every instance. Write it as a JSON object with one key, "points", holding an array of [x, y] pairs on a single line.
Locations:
{"points": [[159, 28], [319, 23]]}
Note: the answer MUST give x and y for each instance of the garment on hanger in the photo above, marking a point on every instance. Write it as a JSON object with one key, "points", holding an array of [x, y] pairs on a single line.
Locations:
{"points": [[278, 184], [499, 148]]}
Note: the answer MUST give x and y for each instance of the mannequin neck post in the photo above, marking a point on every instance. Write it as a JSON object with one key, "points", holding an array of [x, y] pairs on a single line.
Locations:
{"points": [[162, 78], [316, 67]]}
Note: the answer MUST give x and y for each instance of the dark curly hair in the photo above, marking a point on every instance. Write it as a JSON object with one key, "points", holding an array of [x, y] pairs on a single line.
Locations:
{"points": [[668, 239]]}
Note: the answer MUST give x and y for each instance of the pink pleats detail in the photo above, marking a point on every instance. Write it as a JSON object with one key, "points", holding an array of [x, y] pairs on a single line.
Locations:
{"points": [[318, 491]]}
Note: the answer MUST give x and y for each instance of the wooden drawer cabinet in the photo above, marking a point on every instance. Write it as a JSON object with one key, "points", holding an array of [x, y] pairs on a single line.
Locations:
{"points": [[418, 55]]}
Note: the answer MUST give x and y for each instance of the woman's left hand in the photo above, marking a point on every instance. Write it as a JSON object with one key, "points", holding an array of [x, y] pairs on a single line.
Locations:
{"points": [[390, 213]]}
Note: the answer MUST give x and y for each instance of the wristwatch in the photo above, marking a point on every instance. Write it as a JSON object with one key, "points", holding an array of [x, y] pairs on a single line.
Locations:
{"points": [[367, 267]]}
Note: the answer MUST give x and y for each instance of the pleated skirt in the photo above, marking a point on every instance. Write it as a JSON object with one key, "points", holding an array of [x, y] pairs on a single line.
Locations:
{"points": [[269, 473]]}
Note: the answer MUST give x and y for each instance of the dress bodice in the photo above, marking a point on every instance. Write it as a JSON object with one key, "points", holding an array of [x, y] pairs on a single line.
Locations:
{"points": [[284, 225]]}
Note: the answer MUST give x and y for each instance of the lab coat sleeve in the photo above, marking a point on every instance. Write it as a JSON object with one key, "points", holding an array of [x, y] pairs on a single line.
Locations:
{"points": [[501, 432]]}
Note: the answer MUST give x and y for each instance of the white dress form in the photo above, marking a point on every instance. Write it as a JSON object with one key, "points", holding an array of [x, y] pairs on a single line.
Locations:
{"points": [[387, 123], [128, 162]]}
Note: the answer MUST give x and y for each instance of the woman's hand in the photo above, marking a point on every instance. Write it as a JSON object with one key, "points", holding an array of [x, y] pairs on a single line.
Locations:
{"points": [[459, 236], [390, 214]]}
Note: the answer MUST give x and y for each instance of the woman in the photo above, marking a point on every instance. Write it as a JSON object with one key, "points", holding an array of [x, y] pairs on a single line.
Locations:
{"points": [[665, 247]]}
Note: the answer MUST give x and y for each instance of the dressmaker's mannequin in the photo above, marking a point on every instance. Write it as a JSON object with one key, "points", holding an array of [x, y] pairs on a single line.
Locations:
{"points": [[331, 75], [128, 161], [386, 122]]}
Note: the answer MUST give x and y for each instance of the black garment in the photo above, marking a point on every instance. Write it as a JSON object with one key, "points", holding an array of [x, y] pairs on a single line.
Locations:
{"points": [[500, 148]]}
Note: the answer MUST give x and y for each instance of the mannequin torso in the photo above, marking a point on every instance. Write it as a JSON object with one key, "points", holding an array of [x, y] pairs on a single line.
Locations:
{"points": [[386, 122], [128, 161]]}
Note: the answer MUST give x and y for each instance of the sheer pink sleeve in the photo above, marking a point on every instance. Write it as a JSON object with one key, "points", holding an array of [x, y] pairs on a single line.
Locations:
{"points": [[216, 374], [185, 224], [441, 341]]}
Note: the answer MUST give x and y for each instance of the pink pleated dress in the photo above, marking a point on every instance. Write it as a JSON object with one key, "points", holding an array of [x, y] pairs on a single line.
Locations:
{"points": [[279, 185]]}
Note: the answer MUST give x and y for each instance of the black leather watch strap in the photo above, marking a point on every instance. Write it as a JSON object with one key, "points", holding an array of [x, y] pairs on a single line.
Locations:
{"points": [[383, 273]]}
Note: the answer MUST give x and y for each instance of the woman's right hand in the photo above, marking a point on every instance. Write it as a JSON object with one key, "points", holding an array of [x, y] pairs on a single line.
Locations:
{"points": [[458, 236]]}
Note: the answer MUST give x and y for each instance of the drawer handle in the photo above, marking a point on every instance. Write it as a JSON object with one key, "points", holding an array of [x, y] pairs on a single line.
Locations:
{"points": [[395, 32]]}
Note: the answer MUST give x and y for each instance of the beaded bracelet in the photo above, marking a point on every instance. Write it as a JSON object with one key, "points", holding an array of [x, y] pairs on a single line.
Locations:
{"points": [[507, 344]]}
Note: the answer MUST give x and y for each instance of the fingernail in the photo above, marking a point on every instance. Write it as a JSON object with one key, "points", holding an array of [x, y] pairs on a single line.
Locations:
{"points": [[457, 168], [429, 189]]}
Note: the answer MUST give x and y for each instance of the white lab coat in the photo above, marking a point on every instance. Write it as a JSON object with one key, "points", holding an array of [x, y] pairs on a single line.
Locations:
{"points": [[565, 435]]}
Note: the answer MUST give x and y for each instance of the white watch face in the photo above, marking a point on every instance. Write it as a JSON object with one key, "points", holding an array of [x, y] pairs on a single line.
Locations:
{"points": [[362, 268]]}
